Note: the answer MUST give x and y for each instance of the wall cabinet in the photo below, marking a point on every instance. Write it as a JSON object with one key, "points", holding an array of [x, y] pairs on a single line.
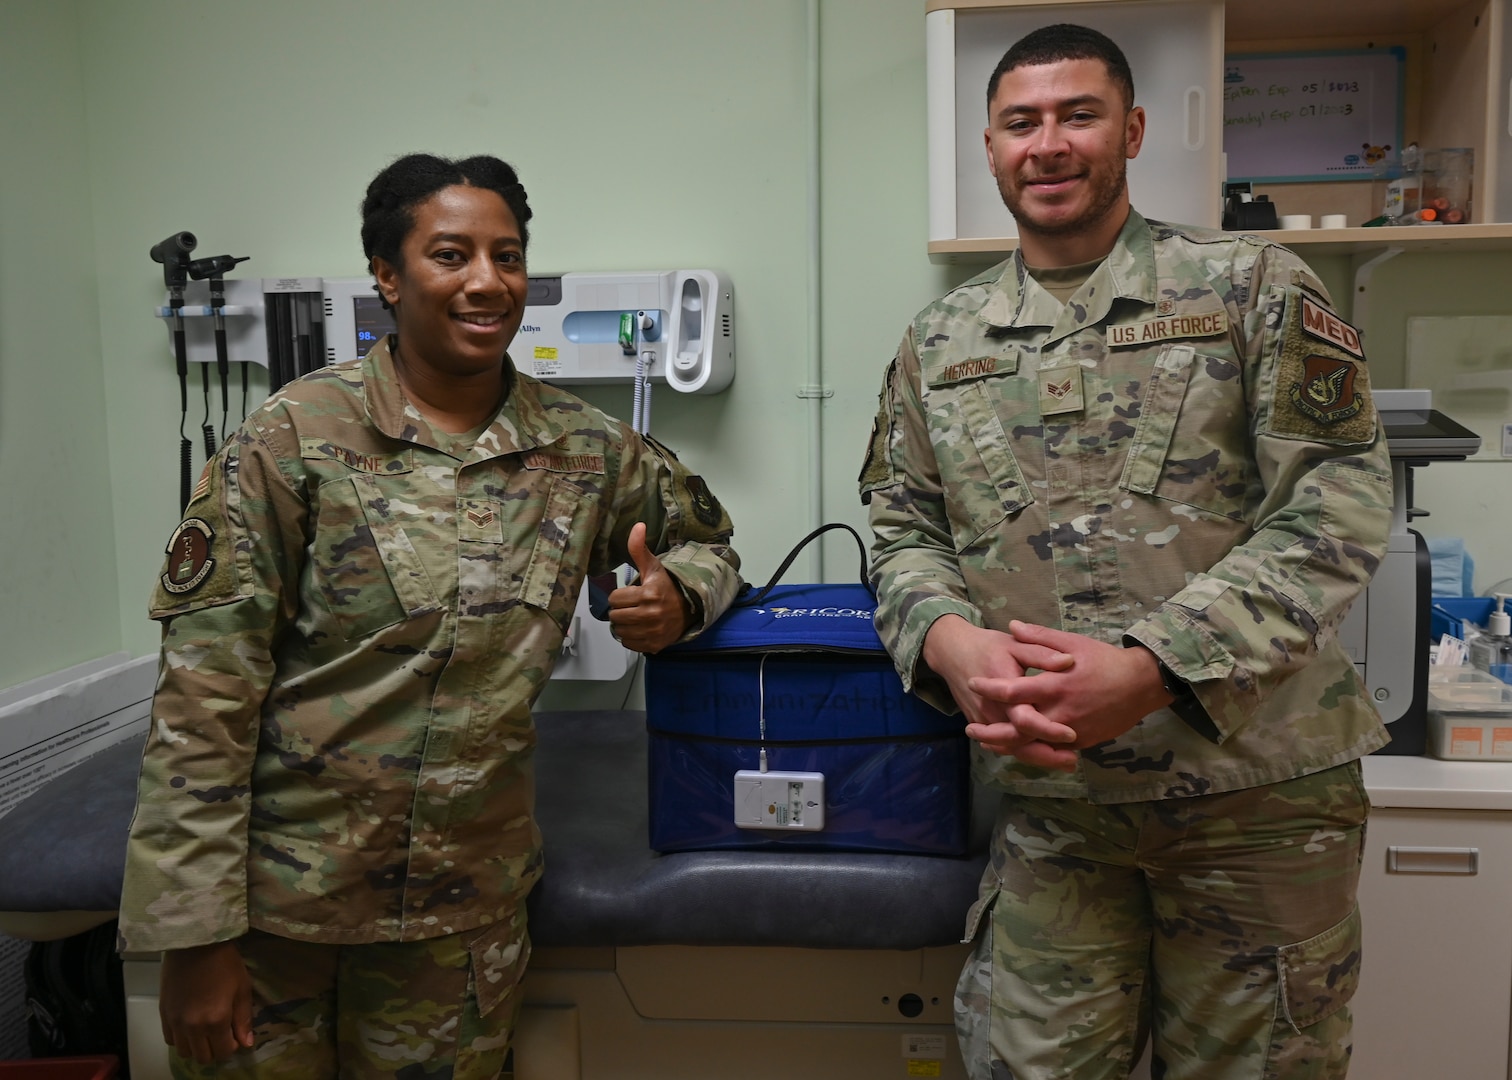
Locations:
{"points": [[1457, 92]]}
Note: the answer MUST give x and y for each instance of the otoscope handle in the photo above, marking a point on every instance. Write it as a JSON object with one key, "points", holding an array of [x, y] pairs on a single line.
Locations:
{"points": [[173, 253], [175, 246], [214, 266]]}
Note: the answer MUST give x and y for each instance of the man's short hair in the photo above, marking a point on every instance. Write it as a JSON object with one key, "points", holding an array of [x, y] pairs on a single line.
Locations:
{"points": [[1065, 41]]}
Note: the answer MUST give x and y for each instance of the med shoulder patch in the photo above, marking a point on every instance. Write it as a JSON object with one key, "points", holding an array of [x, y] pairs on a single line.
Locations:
{"points": [[199, 560], [190, 557], [1322, 387]]}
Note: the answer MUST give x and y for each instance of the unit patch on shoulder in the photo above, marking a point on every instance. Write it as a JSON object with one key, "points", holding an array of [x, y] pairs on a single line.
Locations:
{"points": [[705, 507], [1326, 392], [189, 558], [1321, 383]]}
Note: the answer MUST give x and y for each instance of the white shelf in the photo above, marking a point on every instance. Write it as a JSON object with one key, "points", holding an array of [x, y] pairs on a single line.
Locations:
{"points": [[1408, 238]]}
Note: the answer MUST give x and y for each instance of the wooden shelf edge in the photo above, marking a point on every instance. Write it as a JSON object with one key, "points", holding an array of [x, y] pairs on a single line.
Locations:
{"points": [[1497, 237]]}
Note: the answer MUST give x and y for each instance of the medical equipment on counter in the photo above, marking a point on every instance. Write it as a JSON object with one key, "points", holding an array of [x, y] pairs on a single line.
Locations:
{"points": [[1386, 630], [586, 328], [1491, 651], [173, 253]]}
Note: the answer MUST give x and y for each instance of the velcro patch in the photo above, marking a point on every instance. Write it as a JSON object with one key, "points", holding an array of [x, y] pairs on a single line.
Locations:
{"points": [[190, 557], [1324, 325], [1326, 392], [480, 521], [1149, 331], [977, 367], [575, 463], [1321, 391], [380, 464], [969, 369], [706, 507], [202, 488]]}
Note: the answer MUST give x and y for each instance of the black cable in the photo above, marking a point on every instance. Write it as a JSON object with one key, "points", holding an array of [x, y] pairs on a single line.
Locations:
{"points": [[186, 469], [173, 254], [206, 428]]}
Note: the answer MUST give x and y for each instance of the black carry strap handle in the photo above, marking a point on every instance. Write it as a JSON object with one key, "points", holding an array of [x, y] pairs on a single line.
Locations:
{"points": [[748, 599]]}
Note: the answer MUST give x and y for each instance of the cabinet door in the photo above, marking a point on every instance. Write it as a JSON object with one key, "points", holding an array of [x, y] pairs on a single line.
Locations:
{"points": [[1498, 155], [1175, 51], [1436, 983]]}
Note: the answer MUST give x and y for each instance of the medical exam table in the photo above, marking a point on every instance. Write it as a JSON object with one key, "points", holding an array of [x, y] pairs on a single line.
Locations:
{"points": [[727, 964]]}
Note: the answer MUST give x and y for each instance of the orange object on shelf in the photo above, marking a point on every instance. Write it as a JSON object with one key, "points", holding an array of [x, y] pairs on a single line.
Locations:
{"points": [[103, 1067]]}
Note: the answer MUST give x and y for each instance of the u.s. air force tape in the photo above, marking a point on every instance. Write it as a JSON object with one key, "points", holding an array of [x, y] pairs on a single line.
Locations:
{"points": [[189, 559]]}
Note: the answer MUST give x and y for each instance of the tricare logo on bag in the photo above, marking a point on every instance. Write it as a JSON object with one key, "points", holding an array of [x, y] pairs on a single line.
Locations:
{"points": [[822, 612]]}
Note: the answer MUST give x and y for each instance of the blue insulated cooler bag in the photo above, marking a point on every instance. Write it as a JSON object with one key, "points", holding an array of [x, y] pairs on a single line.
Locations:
{"points": [[804, 663]]}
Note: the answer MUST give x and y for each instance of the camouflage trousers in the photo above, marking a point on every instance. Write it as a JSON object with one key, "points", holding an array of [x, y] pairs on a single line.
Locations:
{"points": [[422, 1010], [1223, 925]]}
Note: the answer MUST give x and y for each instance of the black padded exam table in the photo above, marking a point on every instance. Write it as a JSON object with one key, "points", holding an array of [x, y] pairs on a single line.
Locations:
{"points": [[62, 849]]}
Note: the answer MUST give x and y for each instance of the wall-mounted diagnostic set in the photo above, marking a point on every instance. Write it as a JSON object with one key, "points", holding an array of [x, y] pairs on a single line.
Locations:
{"points": [[584, 328]]}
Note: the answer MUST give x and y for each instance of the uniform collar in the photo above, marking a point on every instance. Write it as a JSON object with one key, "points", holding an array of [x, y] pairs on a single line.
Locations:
{"points": [[522, 422], [1127, 273]]}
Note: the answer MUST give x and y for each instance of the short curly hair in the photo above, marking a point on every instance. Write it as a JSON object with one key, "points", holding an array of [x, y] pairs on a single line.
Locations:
{"points": [[389, 205], [1065, 41]]}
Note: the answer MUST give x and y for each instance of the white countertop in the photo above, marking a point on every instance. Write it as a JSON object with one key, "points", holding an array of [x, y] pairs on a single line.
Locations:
{"points": [[1425, 783]]}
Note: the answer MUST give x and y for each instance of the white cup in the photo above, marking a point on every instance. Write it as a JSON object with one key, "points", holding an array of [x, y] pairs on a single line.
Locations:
{"points": [[1296, 221], [1333, 221]]}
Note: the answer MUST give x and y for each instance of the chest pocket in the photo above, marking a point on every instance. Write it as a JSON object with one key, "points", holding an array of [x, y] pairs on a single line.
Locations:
{"points": [[1191, 443], [984, 481], [565, 491], [552, 574], [366, 567]]}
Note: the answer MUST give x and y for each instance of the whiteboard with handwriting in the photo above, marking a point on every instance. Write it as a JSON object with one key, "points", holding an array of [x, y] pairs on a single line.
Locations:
{"points": [[1312, 116]]}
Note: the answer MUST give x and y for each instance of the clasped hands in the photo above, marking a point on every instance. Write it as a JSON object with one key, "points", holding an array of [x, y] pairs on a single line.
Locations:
{"points": [[1085, 691]]}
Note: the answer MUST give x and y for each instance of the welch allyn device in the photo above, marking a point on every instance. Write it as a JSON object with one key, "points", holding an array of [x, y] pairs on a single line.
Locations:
{"points": [[779, 800]]}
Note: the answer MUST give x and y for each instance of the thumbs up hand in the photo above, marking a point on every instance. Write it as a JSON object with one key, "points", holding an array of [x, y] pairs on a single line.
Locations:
{"points": [[653, 614]]}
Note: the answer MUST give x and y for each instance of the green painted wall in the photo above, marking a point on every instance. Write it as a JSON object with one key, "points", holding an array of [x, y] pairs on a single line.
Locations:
{"points": [[58, 590], [650, 135]]}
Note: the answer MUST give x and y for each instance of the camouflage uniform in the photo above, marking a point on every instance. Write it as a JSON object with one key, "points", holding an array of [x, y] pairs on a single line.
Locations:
{"points": [[358, 611], [1184, 456]]}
